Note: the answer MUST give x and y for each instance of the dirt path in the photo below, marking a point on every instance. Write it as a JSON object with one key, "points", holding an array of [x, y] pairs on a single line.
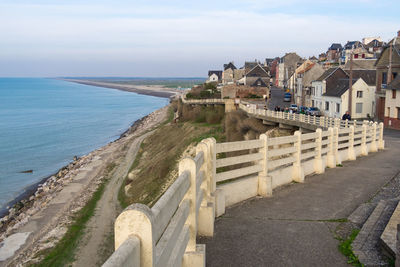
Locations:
{"points": [[98, 241]]}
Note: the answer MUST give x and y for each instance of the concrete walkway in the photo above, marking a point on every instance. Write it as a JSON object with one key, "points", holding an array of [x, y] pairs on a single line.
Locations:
{"points": [[296, 226]]}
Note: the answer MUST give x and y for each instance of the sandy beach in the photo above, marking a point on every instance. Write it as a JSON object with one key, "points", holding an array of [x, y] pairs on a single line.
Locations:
{"points": [[41, 219], [153, 90]]}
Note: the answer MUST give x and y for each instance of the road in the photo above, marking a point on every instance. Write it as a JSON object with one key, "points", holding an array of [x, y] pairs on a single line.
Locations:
{"points": [[277, 98]]}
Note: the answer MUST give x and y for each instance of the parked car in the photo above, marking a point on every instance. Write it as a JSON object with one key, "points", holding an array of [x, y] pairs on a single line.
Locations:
{"points": [[313, 111], [293, 107], [302, 110], [287, 97]]}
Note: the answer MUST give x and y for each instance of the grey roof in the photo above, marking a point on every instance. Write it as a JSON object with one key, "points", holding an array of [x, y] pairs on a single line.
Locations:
{"points": [[326, 74], [216, 72], [229, 66], [338, 88], [352, 44], [395, 84], [335, 46], [369, 76], [361, 64]]}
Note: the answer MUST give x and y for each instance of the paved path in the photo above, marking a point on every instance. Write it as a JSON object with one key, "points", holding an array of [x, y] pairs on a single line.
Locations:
{"points": [[296, 226]]}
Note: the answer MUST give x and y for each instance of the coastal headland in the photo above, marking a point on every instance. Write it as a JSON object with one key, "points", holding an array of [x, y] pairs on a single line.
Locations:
{"points": [[152, 90]]}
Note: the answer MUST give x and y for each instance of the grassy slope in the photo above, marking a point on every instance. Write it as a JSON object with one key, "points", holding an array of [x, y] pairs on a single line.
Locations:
{"points": [[159, 155]]}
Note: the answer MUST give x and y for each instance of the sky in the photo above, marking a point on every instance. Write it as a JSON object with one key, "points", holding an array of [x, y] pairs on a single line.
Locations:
{"points": [[159, 38]]}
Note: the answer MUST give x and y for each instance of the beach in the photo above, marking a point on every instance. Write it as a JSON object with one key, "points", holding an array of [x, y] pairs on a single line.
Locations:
{"points": [[152, 90], [42, 214]]}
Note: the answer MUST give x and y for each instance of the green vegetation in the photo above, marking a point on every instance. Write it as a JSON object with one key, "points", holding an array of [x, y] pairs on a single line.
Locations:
{"points": [[346, 249], [63, 253], [204, 91]]}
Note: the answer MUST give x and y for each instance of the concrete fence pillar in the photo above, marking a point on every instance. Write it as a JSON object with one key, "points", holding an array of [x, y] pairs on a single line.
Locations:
{"points": [[346, 124], [318, 164], [264, 181], [298, 173], [322, 121], [381, 144], [189, 165], [205, 226], [137, 220], [302, 118], [330, 158], [351, 153], [338, 158], [337, 123], [364, 148], [374, 147]]}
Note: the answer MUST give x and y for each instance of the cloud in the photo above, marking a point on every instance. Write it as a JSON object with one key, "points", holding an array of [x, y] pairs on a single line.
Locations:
{"points": [[147, 37]]}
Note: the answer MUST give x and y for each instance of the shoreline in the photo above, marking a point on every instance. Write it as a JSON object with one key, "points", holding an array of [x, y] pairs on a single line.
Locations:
{"points": [[42, 218], [30, 190], [158, 91]]}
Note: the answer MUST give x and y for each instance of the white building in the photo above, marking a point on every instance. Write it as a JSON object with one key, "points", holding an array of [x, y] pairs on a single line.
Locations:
{"points": [[335, 101]]}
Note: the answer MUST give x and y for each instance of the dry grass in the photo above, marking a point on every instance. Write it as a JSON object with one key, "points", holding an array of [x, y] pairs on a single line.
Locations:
{"points": [[158, 157]]}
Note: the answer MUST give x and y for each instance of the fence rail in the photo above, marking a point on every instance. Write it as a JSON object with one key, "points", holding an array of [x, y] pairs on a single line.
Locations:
{"points": [[223, 174]]}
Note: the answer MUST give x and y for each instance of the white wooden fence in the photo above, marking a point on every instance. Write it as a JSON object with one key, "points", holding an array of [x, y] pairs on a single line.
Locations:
{"points": [[223, 174]]}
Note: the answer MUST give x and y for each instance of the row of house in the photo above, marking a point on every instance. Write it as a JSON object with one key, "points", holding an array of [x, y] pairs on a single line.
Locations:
{"points": [[325, 82]]}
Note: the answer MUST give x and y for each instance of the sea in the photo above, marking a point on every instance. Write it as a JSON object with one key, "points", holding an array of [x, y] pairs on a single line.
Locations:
{"points": [[44, 123]]}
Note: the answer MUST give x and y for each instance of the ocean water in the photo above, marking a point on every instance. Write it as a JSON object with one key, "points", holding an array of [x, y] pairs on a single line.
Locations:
{"points": [[44, 123]]}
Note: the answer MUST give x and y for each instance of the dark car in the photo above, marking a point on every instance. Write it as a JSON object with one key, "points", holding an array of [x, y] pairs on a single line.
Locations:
{"points": [[313, 111]]}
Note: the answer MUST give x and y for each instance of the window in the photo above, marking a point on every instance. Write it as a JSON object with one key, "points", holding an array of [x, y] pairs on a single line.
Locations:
{"points": [[398, 113], [384, 78], [337, 107], [359, 107], [359, 94], [363, 56], [393, 93], [312, 103], [356, 56], [326, 105]]}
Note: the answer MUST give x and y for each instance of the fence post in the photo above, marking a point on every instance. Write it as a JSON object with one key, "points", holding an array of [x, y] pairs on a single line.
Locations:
{"points": [[381, 141], [347, 123], [373, 139], [336, 145], [138, 220], [351, 154], [364, 149], [330, 158], [298, 173], [206, 216], [335, 124], [188, 165], [264, 181], [322, 121], [318, 164]]}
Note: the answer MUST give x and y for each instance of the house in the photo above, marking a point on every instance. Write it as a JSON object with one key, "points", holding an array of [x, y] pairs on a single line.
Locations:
{"points": [[292, 82], [387, 67], [285, 69], [258, 76], [335, 101], [304, 80], [334, 52], [355, 48], [323, 83], [375, 47], [321, 57], [228, 73], [214, 76], [392, 103]]}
